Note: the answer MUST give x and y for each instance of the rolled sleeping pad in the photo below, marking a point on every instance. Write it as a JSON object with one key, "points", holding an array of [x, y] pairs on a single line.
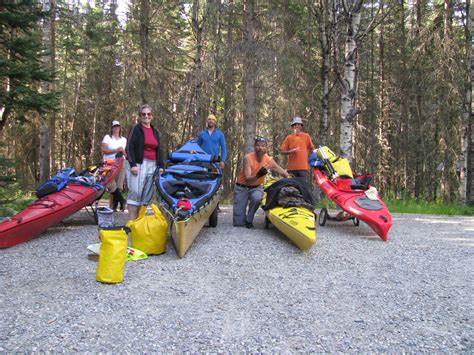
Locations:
{"points": [[205, 158]]}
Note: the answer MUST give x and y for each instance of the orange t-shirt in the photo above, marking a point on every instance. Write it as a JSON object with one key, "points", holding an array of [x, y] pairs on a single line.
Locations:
{"points": [[298, 160], [255, 166]]}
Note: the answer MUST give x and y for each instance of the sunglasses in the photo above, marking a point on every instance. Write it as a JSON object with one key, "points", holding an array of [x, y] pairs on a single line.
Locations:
{"points": [[260, 139], [144, 114]]}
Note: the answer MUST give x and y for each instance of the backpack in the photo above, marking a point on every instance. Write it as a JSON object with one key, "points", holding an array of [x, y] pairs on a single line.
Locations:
{"points": [[56, 183]]}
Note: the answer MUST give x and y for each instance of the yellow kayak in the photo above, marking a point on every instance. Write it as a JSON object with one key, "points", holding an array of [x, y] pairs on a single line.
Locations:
{"points": [[297, 223]]}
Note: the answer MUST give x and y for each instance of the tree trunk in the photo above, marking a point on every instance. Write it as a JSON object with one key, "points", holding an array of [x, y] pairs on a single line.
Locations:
{"points": [[197, 71], [383, 121], [467, 146], [324, 25], [4, 113], [216, 15], [229, 106], [418, 141], [144, 50], [448, 17], [44, 157], [47, 120], [52, 115], [404, 132], [348, 111], [73, 135], [250, 71]]}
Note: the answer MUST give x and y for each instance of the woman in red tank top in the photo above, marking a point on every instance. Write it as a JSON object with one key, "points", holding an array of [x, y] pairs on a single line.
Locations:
{"points": [[144, 157]]}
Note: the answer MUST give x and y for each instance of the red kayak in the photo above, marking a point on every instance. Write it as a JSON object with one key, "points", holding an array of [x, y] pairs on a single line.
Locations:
{"points": [[53, 208], [356, 202]]}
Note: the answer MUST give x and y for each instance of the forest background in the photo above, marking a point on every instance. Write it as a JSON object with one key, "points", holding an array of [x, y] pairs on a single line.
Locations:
{"points": [[385, 83]]}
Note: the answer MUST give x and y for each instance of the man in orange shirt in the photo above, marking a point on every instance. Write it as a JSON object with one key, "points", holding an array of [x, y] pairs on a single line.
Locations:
{"points": [[248, 190], [297, 145]]}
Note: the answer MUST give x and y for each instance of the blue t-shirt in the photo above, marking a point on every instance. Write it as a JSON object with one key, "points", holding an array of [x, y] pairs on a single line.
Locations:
{"points": [[211, 143]]}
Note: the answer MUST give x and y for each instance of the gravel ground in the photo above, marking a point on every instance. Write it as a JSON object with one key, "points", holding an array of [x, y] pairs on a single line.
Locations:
{"points": [[240, 290]]}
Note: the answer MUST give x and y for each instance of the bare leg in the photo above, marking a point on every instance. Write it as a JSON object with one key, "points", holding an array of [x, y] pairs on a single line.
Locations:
{"points": [[132, 211]]}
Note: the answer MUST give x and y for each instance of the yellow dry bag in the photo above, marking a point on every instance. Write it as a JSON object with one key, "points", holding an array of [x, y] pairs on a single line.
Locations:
{"points": [[340, 165], [149, 233], [112, 254]]}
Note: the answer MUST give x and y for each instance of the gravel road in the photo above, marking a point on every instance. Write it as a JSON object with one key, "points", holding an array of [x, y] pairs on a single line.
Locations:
{"points": [[240, 290]]}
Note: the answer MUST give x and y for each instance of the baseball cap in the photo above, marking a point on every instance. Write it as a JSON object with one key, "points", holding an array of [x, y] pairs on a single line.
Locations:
{"points": [[296, 120]]}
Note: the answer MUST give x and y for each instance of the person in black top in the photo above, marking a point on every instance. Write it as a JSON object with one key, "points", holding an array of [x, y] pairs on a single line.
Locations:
{"points": [[144, 157]]}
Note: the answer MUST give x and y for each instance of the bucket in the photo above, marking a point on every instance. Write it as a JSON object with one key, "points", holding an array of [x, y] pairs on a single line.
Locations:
{"points": [[105, 217]]}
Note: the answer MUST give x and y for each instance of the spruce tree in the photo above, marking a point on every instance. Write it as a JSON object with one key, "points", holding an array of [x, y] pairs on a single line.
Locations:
{"points": [[21, 68]]}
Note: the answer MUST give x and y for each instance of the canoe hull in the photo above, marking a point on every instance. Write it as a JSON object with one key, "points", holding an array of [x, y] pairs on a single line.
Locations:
{"points": [[183, 233], [296, 223]]}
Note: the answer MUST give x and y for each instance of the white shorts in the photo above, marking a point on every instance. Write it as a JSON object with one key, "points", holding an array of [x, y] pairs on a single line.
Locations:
{"points": [[140, 187]]}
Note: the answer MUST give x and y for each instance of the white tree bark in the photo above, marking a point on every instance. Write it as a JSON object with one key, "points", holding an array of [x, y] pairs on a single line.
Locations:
{"points": [[352, 11]]}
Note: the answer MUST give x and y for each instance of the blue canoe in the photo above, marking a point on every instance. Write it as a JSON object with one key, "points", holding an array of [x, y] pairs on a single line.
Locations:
{"points": [[189, 190]]}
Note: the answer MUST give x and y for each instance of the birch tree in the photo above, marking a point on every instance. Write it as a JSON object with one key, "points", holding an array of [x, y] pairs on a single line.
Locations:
{"points": [[352, 14]]}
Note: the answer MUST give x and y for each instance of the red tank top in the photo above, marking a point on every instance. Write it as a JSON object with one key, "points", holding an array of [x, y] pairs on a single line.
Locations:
{"points": [[150, 144]]}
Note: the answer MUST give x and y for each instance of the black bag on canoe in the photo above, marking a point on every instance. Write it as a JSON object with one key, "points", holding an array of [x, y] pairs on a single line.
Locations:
{"points": [[288, 193], [56, 183]]}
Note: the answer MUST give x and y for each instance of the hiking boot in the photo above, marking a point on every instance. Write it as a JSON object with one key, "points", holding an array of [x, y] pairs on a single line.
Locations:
{"points": [[114, 202], [249, 225]]}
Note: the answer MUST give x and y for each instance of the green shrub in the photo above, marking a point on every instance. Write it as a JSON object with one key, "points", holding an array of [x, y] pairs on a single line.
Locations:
{"points": [[12, 198]]}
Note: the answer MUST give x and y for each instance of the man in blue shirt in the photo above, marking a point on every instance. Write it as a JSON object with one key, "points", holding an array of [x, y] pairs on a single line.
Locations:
{"points": [[212, 139]]}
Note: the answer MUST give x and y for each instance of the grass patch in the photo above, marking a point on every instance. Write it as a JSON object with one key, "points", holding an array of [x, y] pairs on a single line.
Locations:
{"points": [[425, 207], [416, 207]]}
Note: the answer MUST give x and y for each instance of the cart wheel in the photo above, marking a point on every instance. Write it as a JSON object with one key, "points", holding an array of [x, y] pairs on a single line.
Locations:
{"points": [[323, 217], [356, 221], [267, 222], [213, 218]]}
